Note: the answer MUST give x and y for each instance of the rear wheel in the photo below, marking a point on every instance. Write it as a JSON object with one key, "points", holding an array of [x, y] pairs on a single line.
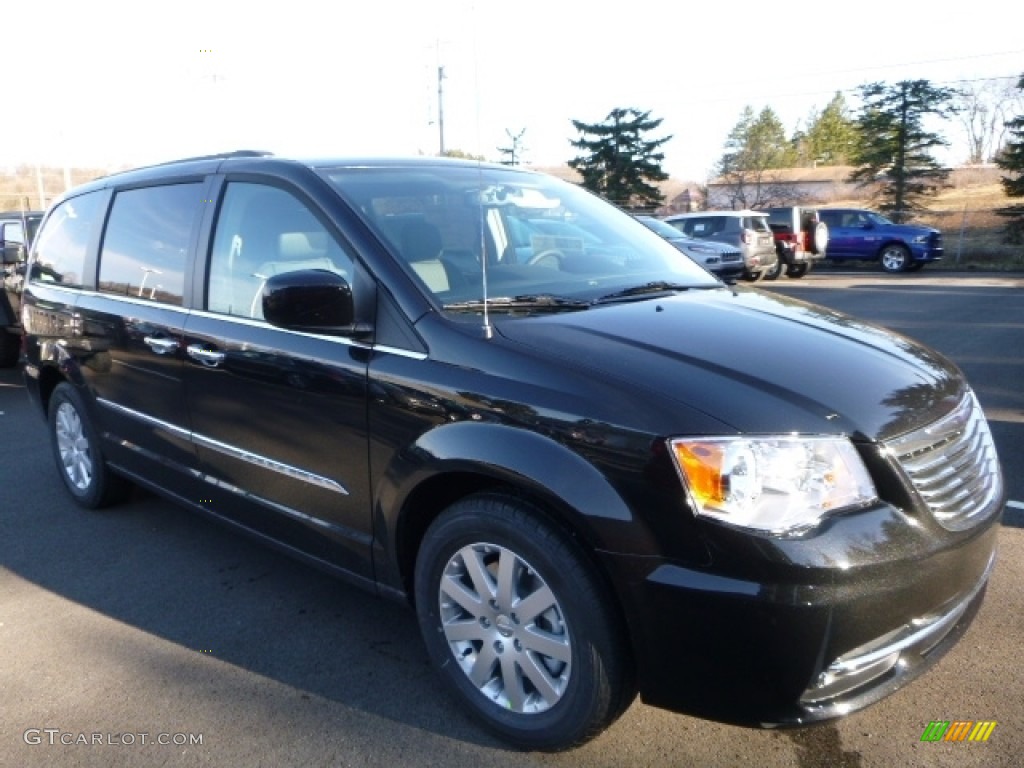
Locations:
{"points": [[519, 626], [895, 257], [76, 449], [798, 270]]}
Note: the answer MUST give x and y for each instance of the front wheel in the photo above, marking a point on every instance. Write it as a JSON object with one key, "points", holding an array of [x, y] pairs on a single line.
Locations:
{"points": [[895, 258], [76, 449], [753, 277], [519, 626], [775, 272]]}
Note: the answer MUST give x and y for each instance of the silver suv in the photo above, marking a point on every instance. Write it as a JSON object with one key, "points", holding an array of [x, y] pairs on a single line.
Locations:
{"points": [[748, 230]]}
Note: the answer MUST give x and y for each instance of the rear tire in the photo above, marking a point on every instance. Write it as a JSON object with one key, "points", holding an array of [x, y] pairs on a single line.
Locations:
{"points": [[798, 270], [76, 449], [894, 258], [519, 626]]}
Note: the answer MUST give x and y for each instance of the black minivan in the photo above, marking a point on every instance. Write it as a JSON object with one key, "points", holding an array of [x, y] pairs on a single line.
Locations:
{"points": [[486, 392]]}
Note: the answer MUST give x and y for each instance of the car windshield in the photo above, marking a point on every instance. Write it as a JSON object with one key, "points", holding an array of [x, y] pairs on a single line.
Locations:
{"points": [[539, 240]]}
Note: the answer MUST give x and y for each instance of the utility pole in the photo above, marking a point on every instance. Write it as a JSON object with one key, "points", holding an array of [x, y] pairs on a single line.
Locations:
{"points": [[440, 106]]}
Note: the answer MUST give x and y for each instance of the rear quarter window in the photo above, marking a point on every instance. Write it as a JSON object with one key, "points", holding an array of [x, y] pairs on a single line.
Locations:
{"points": [[60, 249]]}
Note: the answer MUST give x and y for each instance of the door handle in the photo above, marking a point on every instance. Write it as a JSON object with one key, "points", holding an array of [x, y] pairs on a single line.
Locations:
{"points": [[208, 357], [160, 344]]}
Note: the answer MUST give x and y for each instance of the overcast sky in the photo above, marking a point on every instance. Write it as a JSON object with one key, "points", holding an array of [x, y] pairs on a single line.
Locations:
{"points": [[110, 83]]}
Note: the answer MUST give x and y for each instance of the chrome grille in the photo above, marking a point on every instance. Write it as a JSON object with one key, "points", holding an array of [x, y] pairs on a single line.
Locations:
{"points": [[953, 465], [732, 256]]}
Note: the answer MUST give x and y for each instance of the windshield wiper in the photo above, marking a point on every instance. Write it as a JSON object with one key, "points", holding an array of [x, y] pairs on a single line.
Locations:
{"points": [[658, 286], [527, 301]]}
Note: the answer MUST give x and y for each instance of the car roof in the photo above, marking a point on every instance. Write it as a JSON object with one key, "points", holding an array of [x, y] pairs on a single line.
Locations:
{"points": [[255, 161]]}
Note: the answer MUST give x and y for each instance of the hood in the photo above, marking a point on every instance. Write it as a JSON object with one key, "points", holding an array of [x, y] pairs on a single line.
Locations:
{"points": [[758, 362]]}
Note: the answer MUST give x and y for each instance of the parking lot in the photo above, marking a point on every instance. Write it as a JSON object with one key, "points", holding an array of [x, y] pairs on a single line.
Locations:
{"points": [[144, 635]]}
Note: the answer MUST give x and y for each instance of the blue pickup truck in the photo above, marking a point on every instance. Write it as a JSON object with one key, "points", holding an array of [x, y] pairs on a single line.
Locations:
{"points": [[856, 233]]}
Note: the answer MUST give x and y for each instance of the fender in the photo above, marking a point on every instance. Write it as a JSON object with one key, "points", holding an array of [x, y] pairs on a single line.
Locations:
{"points": [[575, 489]]}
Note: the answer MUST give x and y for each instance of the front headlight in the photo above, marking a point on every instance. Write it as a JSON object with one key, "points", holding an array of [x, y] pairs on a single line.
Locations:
{"points": [[773, 484], [920, 240]]}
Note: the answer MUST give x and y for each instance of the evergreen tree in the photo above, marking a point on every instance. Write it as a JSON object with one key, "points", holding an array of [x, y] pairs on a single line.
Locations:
{"points": [[617, 159], [1011, 159], [895, 151], [755, 147], [831, 135]]}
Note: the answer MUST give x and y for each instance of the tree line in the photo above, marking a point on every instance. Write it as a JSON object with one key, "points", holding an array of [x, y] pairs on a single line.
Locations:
{"points": [[887, 142]]}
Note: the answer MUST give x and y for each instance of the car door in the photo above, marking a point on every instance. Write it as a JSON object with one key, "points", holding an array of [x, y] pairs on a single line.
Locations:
{"points": [[131, 352], [279, 417]]}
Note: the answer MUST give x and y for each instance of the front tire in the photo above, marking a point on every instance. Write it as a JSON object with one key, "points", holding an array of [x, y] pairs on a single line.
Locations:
{"points": [[76, 449], [774, 273], [519, 626], [753, 277], [894, 258]]}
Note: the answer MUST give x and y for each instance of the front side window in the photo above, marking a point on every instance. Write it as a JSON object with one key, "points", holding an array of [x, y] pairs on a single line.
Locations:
{"points": [[60, 249], [146, 243], [263, 231]]}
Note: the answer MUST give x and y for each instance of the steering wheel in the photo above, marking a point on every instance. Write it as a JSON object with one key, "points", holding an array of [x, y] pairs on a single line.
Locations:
{"points": [[552, 257]]}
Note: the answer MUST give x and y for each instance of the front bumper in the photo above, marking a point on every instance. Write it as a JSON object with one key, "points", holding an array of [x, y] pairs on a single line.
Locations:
{"points": [[803, 644]]}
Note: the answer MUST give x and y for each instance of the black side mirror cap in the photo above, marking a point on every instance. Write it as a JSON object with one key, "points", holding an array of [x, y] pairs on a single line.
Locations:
{"points": [[313, 300]]}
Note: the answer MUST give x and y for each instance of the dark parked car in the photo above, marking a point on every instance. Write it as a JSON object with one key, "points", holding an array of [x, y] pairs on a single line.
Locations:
{"points": [[575, 459], [721, 259], [16, 232], [855, 233]]}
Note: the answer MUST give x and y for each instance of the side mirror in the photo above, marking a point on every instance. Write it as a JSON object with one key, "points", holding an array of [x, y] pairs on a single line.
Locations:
{"points": [[314, 300]]}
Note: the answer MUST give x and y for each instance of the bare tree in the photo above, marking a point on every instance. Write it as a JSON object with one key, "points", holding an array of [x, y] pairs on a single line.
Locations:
{"points": [[983, 109]]}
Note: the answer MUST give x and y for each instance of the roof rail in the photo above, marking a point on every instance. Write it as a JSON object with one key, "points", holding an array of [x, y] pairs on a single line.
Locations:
{"points": [[220, 156]]}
